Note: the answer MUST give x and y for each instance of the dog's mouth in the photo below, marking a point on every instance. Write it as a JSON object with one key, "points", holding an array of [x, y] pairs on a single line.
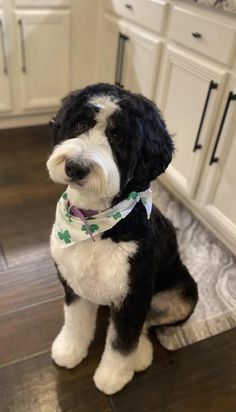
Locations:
{"points": [[76, 183]]}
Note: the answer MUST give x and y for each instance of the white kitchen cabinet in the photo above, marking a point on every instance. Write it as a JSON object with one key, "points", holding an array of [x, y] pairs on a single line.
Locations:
{"points": [[112, 29], [142, 51], [5, 95], [189, 99], [129, 56], [43, 42], [217, 193], [150, 14]]}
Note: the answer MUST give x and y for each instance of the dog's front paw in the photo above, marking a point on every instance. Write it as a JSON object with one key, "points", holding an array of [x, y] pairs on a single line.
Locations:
{"points": [[66, 350], [110, 380], [144, 354]]}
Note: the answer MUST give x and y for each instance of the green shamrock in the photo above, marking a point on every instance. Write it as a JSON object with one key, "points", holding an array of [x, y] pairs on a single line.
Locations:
{"points": [[64, 195], [65, 236], [132, 195], [117, 215], [144, 200], [68, 216], [91, 227]]}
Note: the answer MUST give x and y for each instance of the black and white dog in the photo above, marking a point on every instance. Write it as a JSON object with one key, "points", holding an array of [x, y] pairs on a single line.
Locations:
{"points": [[110, 143]]}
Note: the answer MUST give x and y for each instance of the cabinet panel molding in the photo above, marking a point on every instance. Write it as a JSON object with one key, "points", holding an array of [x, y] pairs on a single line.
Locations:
{"points": [[5, 87], [189, 106], [43, 40]]}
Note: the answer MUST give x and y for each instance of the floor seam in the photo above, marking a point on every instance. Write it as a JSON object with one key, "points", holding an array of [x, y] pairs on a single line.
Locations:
{"points": [[31, 306]]}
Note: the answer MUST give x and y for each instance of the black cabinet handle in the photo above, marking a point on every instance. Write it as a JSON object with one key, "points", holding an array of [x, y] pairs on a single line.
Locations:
{"points": [[4, 54], [129, 6], [214, 158], [23, 56], [212, 86], [120, 59], [196, 35]]}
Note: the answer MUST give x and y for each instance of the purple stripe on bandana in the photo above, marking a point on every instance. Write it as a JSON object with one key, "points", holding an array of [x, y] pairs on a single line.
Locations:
{"points": [[82, 214]]}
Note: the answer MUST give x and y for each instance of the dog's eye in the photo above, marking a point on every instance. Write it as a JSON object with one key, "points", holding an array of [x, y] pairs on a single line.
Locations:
{"points": [[82, 126], [114, 134]]}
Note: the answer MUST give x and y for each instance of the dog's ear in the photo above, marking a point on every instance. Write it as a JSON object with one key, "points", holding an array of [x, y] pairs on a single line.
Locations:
{"points": [[52, 122], [54, 126], [157, 148]]}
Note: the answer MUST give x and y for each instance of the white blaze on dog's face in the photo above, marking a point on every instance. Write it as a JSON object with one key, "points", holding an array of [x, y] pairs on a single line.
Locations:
{"points": [[108, 142], [86, 162]]}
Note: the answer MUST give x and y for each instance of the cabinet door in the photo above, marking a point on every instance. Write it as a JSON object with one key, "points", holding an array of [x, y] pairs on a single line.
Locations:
{"points": [[108, 54], [140, 67], [5, 96], [218, 185], [43, 41], [189, 100]]}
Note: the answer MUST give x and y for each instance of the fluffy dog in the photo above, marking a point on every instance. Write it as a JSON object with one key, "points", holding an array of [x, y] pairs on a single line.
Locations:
{"points": [[109, 145]]}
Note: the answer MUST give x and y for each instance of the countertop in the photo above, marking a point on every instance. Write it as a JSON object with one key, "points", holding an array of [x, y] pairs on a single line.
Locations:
{"points": [[226, 5]]}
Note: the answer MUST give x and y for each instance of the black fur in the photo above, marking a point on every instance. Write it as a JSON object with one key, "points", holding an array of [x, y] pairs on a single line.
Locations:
{"points": [[137, 133], [142, 149], [70, 295]]}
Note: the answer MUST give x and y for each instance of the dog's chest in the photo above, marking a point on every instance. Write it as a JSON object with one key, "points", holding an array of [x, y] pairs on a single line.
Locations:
{"points": [[96, 271]]}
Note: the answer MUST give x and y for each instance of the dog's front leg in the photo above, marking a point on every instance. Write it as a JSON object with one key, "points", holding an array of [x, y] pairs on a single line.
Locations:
{"points": [[71, 345], [127, 350]]}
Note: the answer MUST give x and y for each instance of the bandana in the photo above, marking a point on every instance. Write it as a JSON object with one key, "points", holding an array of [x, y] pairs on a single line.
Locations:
{"points": [[73, 225]]}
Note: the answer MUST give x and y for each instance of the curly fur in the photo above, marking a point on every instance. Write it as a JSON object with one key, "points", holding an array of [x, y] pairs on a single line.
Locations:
{"points": [[134, 267]]}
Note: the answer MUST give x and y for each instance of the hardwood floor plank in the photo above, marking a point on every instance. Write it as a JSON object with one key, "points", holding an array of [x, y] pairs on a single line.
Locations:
{"points": [[28, 284], [29, 330], [37, 385], [198, 378], [3, 261], [25, 231]]}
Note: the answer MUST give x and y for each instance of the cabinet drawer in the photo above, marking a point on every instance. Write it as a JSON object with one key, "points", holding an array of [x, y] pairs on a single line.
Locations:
{"points": [[203, 35], [148, 13], [42, 3]]}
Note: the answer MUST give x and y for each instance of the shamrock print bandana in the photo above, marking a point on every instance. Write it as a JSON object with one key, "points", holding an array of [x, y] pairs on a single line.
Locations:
{"points": [[70, 229]]}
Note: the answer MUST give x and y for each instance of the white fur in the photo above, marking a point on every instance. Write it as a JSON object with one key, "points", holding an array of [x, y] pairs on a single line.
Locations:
{"points": [[115, 369], [102, 183], [107, 106], [144, 354], [96, 271], [71, 345]]}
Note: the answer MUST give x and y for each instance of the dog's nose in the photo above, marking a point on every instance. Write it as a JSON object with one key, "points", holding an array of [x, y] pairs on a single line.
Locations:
{"points": [[75, 170]]}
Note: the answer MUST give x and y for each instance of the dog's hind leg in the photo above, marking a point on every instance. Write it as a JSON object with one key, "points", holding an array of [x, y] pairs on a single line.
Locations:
{"points": [[175, 305], [71, 345]]}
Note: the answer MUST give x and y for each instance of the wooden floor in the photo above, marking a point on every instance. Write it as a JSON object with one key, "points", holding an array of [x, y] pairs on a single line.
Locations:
{"points": [[199, 378]]}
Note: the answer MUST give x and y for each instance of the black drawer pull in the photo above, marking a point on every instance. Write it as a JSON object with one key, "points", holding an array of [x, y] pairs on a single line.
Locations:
{"points": [[212, 86], [196, 35], [129, 6], [214, 158]]}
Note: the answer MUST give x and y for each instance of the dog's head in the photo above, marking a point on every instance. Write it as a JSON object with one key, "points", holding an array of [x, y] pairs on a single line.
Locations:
{"points": [[108, 142]]}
